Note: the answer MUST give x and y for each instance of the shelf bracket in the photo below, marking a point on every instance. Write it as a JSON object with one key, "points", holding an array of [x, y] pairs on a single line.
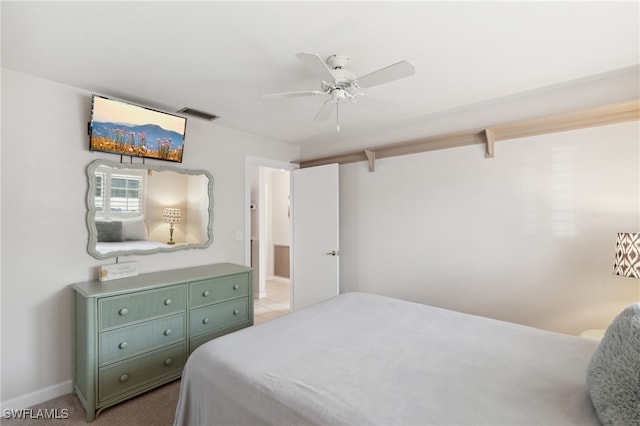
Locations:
{"points": [[371, 157], [491, 142]]}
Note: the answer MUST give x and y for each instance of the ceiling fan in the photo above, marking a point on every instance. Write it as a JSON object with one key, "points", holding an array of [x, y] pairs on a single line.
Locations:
{"points": [[342, 85]]}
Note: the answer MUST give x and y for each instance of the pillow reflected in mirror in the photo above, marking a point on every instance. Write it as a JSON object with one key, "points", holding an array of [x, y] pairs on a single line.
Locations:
{"points": [[109, 231], [134, 229]]}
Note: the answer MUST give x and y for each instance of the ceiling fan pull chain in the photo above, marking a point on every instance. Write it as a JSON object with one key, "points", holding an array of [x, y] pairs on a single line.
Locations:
{"points": [[337, 117]]}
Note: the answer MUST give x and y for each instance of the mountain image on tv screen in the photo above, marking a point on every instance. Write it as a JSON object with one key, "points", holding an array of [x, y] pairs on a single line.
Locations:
{"points": [[127, 129]]}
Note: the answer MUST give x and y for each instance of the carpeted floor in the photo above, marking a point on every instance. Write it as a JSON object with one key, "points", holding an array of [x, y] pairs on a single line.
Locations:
{"points": [[157, 408]]}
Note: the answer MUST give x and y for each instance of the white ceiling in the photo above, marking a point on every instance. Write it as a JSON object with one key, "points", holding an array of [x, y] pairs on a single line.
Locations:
{"points": [[220, 57]]}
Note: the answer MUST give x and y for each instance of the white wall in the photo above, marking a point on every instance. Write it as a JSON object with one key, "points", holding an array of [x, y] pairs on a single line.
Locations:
{"points": [[280, 220], [198, 203], [167, 189], [44, 235], [527, 236], [270, 193], [279, 229], [576, 95]]}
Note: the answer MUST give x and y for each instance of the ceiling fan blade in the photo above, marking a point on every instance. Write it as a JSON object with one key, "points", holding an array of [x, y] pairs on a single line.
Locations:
{"points": [[326, 110], [377, 104], [293, 94], [317, 65], [392, 72]]}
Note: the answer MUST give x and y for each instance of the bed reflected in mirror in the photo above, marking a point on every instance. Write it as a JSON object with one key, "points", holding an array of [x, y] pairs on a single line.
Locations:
{"points": [[144, 209]]}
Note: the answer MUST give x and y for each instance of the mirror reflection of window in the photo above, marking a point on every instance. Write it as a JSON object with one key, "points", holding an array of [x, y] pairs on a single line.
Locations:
{"points": [[125, 194], [119, 194], [99, 195]]}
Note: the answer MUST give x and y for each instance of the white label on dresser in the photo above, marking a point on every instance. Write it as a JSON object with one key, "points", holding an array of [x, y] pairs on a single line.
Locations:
{"points": [[118, 270]]}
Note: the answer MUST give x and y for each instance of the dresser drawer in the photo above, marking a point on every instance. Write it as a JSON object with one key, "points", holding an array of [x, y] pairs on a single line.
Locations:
{"points": [[123, 376], [127, 341], [215, 290], [219, 316], [120, 310]]}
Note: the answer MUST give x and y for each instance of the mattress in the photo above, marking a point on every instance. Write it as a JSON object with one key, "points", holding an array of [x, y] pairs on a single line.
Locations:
{"points": [[364, 359]]}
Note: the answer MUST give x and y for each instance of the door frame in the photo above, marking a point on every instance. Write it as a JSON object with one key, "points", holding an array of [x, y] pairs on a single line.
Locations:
{"points": [[252, 161]]}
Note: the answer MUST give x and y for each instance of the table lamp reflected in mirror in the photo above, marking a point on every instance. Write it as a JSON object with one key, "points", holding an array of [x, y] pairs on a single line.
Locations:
{"points": [[171, 216]]}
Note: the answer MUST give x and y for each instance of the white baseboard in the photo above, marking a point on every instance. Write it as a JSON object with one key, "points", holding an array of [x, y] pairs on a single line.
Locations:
{"points": [[38, 397], [260, 295]]}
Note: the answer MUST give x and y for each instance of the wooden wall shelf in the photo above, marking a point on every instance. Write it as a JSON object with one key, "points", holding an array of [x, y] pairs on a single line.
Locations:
{"points": [[600, 116]]}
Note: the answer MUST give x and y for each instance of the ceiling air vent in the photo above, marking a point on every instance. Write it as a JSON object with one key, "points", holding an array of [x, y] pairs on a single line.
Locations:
{"points": [[199, 114]]}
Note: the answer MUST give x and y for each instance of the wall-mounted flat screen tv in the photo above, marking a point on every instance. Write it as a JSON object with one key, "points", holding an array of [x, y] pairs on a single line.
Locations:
{"points": [[123, 128]]}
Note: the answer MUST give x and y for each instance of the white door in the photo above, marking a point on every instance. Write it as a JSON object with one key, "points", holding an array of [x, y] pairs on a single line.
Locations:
{"points": [[315, 258]]}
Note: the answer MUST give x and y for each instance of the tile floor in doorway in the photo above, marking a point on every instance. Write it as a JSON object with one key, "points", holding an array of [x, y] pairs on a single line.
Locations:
{"points": [[274, 305]]}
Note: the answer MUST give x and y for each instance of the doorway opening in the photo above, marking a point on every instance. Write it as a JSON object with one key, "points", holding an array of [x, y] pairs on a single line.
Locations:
{"points": [[270, 240]]}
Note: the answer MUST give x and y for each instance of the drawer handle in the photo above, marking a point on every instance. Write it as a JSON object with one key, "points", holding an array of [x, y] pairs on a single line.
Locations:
{"points": [[168, 361], [124, 378], [236, 312], [123, 311], [206, 293], [236, 287], [123, 345], [167, 332], [168, 302], [205, 321]]}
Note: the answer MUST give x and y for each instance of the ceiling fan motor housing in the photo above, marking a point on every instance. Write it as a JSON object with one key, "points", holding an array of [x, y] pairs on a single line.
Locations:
{"points": [[347, 84]]}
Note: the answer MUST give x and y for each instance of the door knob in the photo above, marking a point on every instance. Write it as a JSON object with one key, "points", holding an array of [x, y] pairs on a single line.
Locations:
{"points": [[332, 253]]}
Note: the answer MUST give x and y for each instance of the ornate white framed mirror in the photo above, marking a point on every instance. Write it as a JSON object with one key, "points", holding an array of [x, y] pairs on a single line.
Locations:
{"points": [[135, 209]]}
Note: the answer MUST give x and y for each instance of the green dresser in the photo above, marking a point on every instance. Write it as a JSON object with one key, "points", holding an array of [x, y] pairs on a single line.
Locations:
{"points": [[134, 334]]}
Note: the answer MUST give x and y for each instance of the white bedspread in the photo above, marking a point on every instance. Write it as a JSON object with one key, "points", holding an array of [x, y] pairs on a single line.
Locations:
{"points": [[362, 359]]}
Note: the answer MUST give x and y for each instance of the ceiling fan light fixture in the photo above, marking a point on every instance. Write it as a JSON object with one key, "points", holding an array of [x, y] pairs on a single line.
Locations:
{"points": [[338, 95]]}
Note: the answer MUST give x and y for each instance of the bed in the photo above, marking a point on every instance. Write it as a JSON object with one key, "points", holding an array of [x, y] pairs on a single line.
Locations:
{"points": [[108, 247], [364, 359], [124, 234]]}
